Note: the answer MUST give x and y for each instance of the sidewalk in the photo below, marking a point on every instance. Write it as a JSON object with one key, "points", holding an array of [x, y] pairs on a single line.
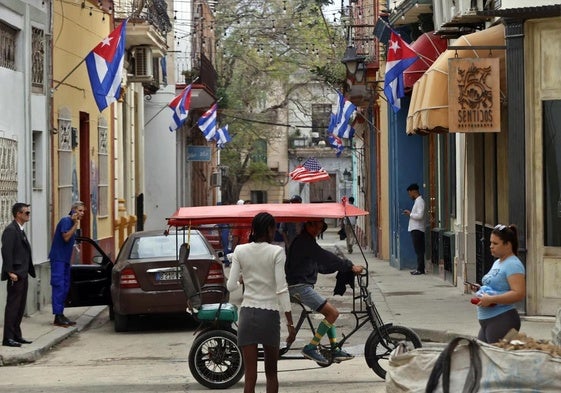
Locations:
{"points": [[434, 308], [39, 328]]}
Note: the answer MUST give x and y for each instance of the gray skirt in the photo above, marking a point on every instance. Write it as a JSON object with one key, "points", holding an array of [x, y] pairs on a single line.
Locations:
{"points": [[258, 326]]}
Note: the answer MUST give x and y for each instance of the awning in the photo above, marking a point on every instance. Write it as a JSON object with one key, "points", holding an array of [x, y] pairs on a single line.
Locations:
{"points": [[428, 110], [428, 47], [283, 212]]}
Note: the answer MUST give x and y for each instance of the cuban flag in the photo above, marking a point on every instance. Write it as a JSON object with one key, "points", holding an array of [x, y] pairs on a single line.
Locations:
{"points": [[105, 67], [340, 122], [180, 106], [336, 143], [222, 137], [400, 57], [207, 123]]}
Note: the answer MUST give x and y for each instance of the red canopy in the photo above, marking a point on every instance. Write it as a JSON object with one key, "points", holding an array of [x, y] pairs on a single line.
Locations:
{"points": [[283, 212], [428, 47]]}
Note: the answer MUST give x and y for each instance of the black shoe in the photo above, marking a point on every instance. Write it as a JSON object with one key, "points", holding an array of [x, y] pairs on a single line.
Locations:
{"points": [[68, 321], [10, 343], [23, 341], [61, 321], [416, 273]]}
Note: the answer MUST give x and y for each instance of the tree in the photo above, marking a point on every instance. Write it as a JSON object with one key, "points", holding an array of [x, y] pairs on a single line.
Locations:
{"points": [[267, 50]]}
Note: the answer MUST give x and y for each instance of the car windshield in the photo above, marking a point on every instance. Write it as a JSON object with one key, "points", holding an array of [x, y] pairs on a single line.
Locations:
{"points": [[162, 246]]}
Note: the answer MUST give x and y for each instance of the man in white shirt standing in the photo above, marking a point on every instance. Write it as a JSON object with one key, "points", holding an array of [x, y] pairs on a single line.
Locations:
{"points": [[417, 226]]}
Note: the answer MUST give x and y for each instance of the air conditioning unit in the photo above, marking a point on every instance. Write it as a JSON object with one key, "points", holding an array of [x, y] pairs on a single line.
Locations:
{"points": [[215, 179], [143, 66]]}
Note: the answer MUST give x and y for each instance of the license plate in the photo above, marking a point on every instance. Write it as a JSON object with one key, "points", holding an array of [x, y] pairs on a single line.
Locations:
{"points": [[163, 276]]}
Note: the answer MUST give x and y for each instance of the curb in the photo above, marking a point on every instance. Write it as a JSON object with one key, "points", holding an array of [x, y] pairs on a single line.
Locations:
{"points": [[43, 344]]}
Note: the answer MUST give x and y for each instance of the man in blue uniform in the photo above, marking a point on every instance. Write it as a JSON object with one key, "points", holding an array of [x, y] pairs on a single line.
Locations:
{"points": [[60, 255]]}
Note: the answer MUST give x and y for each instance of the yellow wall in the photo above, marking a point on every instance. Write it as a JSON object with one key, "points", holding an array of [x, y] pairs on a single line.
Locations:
{"points": [[384, 218], [75, 34]]}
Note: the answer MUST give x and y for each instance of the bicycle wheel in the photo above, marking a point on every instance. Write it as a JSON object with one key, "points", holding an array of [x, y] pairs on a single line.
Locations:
{"points": [[215, 360], [377, 349]]}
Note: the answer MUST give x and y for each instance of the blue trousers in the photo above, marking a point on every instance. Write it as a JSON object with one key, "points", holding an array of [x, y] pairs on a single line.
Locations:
{"points": [[60, 284]]}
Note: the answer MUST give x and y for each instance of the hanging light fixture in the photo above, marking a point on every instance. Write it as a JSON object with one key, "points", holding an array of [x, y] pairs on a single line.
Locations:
{"points": [[351, 59], [360, 71]]}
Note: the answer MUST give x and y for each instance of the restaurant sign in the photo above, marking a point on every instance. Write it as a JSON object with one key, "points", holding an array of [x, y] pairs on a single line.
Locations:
{"points": [[474, 95]]}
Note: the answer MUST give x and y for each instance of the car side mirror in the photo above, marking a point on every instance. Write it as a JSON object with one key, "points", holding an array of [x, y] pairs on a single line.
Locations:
{"points": [[98, 259]]}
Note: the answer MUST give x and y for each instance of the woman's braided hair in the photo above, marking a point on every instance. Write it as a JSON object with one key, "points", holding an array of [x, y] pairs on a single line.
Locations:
{"points": [[260, 226]]}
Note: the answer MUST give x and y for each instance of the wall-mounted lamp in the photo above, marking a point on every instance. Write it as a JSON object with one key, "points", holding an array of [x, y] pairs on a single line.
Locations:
{"points": [[351, 59], [360, 71]]}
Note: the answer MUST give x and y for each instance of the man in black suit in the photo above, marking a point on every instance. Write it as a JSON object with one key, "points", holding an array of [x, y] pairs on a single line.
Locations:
{"points": [[16, 265]]}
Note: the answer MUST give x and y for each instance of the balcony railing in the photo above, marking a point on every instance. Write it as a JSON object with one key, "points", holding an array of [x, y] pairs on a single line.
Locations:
{"points": [[153, 12]]}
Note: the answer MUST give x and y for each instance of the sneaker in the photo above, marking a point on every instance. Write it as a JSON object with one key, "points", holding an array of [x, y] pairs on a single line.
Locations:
{"points": [[312, 353], [339, 355]]}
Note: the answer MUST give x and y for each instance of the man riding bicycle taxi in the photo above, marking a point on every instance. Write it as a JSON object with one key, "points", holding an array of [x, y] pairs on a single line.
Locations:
{"points": [[305, 259]]}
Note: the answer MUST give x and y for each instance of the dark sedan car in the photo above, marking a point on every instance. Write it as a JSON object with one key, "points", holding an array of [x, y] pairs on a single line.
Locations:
{"points": [[145, 277]]}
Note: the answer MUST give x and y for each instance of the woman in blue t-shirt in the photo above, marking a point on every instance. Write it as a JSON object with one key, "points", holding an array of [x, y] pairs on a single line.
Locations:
{"points": [[505, 285]]}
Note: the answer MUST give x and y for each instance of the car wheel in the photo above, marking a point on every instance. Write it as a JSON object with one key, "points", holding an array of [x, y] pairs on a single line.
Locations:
{"points": [[121, 322], [111, 313]]}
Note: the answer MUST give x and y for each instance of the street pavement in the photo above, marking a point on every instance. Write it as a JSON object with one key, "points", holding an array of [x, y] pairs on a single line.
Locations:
{"points": [[434, 308]]}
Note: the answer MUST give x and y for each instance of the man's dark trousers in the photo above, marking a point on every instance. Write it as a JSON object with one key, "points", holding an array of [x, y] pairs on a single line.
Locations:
{"points": [[15, 308], [418, 238]]}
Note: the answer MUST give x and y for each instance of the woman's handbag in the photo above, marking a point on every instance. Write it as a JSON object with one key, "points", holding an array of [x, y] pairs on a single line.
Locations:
{"points": [[342, 234], [468, 365]]}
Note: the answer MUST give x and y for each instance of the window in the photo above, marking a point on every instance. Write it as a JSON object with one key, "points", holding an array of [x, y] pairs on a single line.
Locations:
{"points": [[321, 114], [167, 247], [258, 196], [103, 169], [37, 160], [8, 180], [64, 158], [37, 58], [8, 37], [259, 153]]}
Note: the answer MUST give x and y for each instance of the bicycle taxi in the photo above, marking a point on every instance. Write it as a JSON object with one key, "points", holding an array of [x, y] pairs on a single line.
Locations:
{"points": [[215, 360]]}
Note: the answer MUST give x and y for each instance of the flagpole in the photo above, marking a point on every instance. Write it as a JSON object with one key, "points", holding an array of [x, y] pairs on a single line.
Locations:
{"points": [[68, 75], [165, 106]]}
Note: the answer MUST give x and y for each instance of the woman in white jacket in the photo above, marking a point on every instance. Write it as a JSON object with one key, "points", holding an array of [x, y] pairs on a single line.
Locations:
{"points": [[259, 265]]}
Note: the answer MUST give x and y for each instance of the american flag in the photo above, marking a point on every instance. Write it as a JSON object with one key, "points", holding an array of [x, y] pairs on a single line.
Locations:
{"points": [[309, 172]]}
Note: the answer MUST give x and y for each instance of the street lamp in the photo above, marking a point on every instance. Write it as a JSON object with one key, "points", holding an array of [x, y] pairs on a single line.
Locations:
{"points": [[360, 71], [351, 59]]}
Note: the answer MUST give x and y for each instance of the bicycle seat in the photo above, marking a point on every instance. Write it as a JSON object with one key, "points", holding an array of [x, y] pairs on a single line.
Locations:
{"points": [[191, 286]]}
